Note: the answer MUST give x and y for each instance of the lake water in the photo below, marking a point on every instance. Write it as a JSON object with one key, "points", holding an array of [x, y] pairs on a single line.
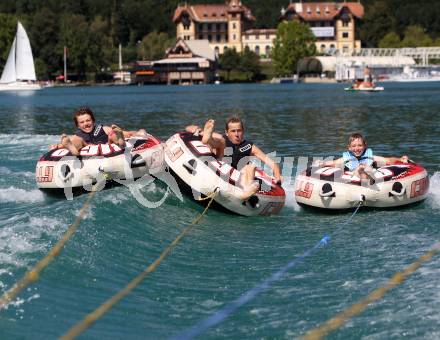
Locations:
{"points": [[225, 256]]}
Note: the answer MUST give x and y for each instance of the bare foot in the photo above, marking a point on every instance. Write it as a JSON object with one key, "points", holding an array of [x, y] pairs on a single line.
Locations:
{"points": [[207, 131], [67, 143], [141, 133], [249, 191], [119, 133], [116, 127]]}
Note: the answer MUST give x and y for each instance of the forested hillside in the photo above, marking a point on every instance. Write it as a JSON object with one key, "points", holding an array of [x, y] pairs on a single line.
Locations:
{"points": [[92, 29]]}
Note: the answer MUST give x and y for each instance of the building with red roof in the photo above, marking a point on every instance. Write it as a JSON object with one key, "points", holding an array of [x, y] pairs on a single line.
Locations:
{"points": [[333, 23], [229, 25], [222, 25]]}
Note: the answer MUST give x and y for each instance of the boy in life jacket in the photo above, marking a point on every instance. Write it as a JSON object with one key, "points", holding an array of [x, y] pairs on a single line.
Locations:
{"points": [[88, 132], [359, 159], [240, 151]]}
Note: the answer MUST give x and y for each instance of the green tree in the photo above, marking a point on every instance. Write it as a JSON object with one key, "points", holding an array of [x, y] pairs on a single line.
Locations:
{"points": [[74, 33], [416, 37], [294, 41], [41, 69], [43, 34], [229, 61], [377, 22], [391, 40], [119, 23], [7, 33], [140, 14], [154, 46], [250, 64], [101, 50]]}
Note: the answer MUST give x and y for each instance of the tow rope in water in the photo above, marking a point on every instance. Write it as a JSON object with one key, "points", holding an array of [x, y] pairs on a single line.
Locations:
{"points": [[33, 274], [341, 318], [230, 308], [106, 306]]}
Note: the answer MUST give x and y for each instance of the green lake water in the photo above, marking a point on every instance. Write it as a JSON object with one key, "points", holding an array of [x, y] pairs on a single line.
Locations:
{"points": [[224, 257]]}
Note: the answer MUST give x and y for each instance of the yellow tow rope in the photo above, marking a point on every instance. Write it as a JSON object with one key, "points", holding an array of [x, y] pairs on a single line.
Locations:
{"points": [[106, 306], [341, 318]]}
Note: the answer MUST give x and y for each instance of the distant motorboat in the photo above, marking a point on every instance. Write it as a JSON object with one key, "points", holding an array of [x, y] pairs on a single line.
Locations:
{"points": [[364, 86], [19, 71]]}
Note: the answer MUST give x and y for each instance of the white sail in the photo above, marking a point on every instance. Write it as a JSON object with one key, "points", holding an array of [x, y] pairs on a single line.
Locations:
{"points": [[8, 75], [19, 71], [24, 62]]}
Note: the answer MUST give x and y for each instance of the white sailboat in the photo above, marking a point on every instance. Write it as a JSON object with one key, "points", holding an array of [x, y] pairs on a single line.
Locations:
{"points": [[19, 71]]}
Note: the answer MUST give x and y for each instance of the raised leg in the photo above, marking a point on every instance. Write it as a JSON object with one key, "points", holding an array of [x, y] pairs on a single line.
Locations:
{"points": [[250, 186], [207, 132]]}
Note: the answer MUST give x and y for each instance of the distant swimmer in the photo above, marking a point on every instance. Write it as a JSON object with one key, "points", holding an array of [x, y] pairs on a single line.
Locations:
{"points": [[88, 132]]}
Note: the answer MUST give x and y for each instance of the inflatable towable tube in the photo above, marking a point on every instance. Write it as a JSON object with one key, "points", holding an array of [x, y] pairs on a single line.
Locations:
{"points": [[58, 169], [366, 89], [198, 171], [332, 188]]}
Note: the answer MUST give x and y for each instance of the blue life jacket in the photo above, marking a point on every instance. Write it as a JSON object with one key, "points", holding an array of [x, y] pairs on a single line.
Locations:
{"points": [[351, 162]]}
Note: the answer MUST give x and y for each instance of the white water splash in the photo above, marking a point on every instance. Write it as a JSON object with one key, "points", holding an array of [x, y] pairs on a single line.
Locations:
{"points": [[17, 195], [115, 199], [289, 188], [434, 189], [21, 235], [4, 171], [28, 140]]}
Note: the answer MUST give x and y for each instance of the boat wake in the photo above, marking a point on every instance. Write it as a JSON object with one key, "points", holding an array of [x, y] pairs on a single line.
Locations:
{"points": [[17, 195], [434, 189], [289, 188]]}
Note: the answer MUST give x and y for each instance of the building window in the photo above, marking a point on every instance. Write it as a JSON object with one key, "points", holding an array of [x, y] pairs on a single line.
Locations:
{"points": [[186, 21], [344, 34], [225, 48], [200, 36], [257, 36], [322, 48], [345, 48], [234, 26], [345, 23], [218, 38], [267, 51], [216, 50], [234, 37], [345, 17], [209, 37], [209, 27], [257, 50], [267, 36]]}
